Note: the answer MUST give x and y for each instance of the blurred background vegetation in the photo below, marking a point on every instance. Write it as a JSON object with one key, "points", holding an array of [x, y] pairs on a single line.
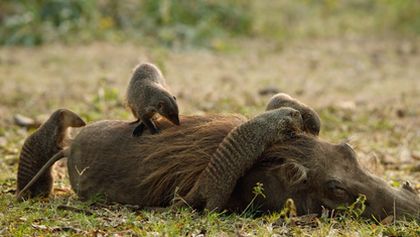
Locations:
{"points": [[200, 23]]}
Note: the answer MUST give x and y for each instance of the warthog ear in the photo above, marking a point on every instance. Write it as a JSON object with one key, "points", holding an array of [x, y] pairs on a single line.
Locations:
{"points": [[294, 173]]}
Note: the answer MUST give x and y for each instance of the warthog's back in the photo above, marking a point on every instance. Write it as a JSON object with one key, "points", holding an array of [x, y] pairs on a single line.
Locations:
{"points": [[106, 159]]}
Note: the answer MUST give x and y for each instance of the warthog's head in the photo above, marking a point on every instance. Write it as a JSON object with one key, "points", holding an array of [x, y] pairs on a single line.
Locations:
{"points": [[317, 174]]}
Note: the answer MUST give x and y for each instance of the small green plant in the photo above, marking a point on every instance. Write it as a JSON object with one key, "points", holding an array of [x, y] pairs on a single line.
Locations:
{"points": [[258, 191], [354, 210], [289, 211]]}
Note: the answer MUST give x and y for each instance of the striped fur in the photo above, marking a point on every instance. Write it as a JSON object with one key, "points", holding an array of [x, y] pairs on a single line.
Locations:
{"points": [[39, 147], [237, 153]]}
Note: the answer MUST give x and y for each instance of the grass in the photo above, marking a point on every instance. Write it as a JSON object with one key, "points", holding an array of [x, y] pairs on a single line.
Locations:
{"points": [[47, 219], [365, 89]]}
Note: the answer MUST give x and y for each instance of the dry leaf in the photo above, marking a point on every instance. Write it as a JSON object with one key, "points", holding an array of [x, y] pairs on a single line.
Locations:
{"points": [[39, 227], [405, 154]]}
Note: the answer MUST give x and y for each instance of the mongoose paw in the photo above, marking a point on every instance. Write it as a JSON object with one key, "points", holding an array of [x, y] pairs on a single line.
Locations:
{"points": [[138, 130]]}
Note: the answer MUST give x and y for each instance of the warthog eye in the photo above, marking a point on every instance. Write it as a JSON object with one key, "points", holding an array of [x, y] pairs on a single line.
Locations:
{"points": [[339, 192], [336, 188]]}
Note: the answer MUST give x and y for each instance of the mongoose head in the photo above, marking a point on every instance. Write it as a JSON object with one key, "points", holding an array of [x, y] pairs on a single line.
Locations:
{"points": [[311, 120], [168, 108], [282, 120], [68, 118], [63, 119]]}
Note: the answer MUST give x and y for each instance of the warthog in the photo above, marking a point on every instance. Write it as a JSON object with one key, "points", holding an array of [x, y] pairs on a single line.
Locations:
{"points": [[150, 170]]}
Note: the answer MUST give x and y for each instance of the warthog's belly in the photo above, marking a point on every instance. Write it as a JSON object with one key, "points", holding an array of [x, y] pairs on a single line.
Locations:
{"points": [[104, 160]]}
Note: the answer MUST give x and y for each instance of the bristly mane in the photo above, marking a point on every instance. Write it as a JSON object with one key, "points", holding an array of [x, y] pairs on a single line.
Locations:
{"points": [[184, 155]]}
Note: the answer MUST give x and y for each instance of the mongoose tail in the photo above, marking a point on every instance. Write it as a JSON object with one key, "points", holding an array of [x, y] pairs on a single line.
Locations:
{"points": [[63, 153]]}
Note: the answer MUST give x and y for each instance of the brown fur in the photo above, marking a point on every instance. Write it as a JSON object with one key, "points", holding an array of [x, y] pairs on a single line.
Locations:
{"points": [[104, 160], [175, 164]]}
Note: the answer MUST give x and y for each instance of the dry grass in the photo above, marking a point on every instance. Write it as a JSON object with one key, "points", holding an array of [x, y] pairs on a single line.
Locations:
{"points": [[365, 89]]}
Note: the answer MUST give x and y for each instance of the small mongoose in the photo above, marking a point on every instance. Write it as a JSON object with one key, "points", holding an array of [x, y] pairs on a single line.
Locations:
{"points": [[147, 95], [311, 121], [39, 147], [237, 153]]}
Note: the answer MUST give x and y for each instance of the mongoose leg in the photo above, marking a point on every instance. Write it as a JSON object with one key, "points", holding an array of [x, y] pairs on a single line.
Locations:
{"points": [[151, 126], [146, 123], [138, 130]]}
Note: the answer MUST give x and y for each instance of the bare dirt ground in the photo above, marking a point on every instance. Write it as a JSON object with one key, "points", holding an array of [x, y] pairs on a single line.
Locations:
{"points": [[366, 90]]}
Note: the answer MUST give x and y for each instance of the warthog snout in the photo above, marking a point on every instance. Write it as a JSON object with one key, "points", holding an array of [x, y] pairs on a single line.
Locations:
{"points": [[343, 180], [323, 175]]}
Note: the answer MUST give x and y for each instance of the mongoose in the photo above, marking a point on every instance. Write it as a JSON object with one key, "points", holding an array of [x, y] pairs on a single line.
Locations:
{"points": [[39, 147], [237, 153], [147, 95], [311, 121]]}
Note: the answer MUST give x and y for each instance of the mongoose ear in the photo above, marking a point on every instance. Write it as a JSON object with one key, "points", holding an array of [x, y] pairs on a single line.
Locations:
{"points": [[160, 105], [68, 118], [62, 113]]}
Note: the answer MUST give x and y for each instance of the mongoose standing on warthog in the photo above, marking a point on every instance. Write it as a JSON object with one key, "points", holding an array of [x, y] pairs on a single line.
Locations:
{"points": [[147, 95], [312, 123], [39, 147]]}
